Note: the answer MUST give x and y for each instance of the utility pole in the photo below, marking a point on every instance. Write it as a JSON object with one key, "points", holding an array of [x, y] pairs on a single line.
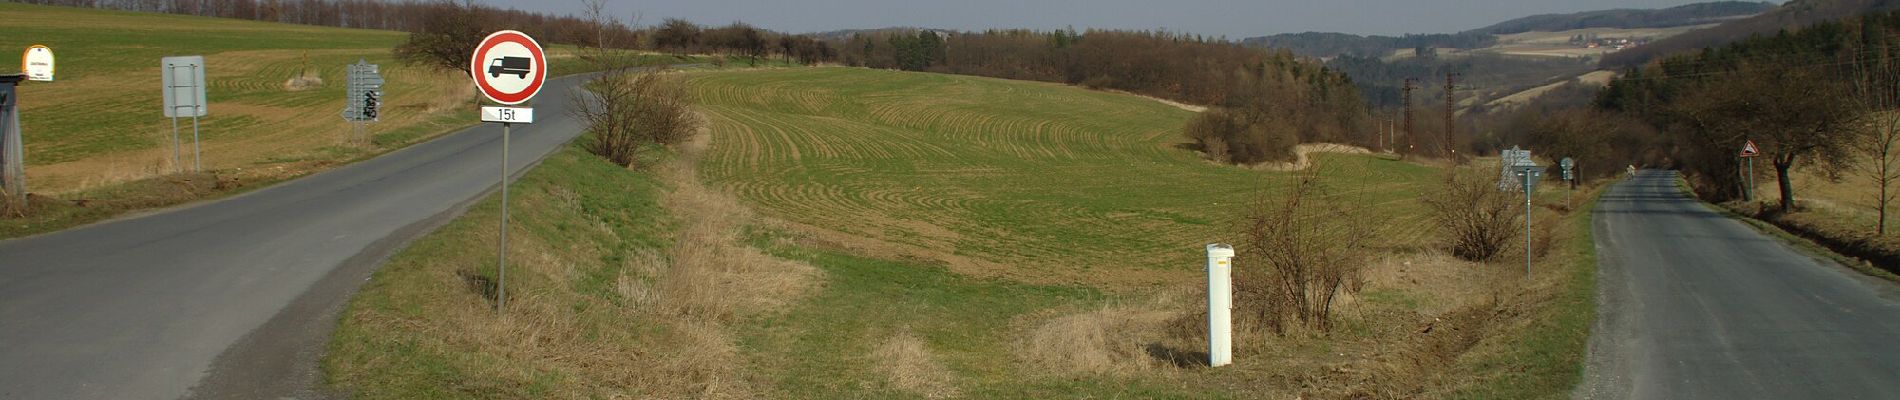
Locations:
{"points": [[1451, 117], [1411, 141]]}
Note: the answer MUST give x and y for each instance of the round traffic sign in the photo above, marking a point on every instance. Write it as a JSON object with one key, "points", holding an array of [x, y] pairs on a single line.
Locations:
{"points": [[509, 67], [1567, 163]]}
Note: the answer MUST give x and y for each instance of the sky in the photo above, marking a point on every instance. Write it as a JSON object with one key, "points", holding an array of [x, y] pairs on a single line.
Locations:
{"points": [[1234, 19]]}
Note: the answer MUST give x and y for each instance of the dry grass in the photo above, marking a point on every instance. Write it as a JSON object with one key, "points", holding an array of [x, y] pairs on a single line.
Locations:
{"points": [[714, 275], [909, 365], [1113, 340]]}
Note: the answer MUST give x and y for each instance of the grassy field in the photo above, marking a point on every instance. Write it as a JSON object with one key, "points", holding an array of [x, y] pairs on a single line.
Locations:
{"points": [[1035, 182], [97, 144], [850, 233]]}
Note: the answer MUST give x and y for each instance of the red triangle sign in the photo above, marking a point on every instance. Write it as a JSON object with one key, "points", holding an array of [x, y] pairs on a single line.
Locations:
{"points": [[1749, 150]]}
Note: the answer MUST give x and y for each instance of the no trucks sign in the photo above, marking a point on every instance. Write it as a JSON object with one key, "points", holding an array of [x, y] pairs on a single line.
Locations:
{"points": [[509, 67]]}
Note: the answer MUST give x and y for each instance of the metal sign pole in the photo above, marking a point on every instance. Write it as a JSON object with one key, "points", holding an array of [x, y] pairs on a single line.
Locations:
{"points": [[1527, 223], [501, 270], [197, 153], [1751, 179], [178, 163]]}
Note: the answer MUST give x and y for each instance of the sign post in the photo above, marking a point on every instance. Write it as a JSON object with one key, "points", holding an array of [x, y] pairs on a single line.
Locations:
{"points": [[12, 160], [1529, 171], [1749, 151], [509, 68], [184, 83]]}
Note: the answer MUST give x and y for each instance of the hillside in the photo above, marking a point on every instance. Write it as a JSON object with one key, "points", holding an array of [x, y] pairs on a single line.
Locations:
{"points": [[1684, 15], [1604, 22], [1793, 15], [858, 233]]}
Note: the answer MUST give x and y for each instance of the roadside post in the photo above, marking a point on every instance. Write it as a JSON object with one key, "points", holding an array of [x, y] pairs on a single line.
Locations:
{"points": [[1220, 305], [1749, 151], [36, 64], [1529, 171], [362, 99], [509, 68], [184, 85], [12, 166]]}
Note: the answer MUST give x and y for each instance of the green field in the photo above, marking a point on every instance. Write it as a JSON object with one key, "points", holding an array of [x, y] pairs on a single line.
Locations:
{"points": [[1036, 182], [955, 237]]}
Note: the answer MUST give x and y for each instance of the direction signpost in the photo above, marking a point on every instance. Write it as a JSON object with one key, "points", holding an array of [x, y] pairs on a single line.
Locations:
{"points": [[362, 99], [509, 68], [1749, 151]]}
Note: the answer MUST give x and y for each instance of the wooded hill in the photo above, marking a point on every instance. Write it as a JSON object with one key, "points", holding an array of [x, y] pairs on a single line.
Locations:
{"points": [[1683, 15], [1328, 44], [1793, 15]]}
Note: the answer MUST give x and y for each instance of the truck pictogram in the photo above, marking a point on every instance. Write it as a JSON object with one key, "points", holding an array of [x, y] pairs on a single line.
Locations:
{"points": [[517, 66]]}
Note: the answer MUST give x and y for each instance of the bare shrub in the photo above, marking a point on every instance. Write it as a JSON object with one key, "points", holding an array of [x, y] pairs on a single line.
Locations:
{"points": [[1301, 251], [630, 107], [1479, 221]]}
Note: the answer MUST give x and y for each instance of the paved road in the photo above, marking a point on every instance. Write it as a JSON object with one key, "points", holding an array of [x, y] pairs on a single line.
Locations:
{"points": [[1693, 305], [234, 297]]}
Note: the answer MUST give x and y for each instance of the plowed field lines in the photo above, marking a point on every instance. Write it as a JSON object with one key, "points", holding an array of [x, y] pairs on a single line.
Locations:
{"points": [[1032, 181]]}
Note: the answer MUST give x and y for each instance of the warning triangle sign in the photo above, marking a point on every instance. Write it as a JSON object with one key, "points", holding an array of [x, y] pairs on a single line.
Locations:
{"points": [[1749, 149]]}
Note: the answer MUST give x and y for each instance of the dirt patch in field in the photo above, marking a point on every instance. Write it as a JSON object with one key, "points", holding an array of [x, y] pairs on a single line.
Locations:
{"points": [[1302, 160]]}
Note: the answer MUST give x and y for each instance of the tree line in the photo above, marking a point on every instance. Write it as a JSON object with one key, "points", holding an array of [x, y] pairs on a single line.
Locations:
{"points": [[1263, 102], [1822, 95]]}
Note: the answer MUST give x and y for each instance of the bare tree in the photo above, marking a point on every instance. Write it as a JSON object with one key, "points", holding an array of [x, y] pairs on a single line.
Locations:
{"points": [[1794, 114], [1876, 87], [447, 37]]}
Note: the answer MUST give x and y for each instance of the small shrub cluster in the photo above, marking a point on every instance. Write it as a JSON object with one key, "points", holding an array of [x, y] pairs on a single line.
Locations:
{"points": [[1306, 250], [1478, 220], [632, 109]]}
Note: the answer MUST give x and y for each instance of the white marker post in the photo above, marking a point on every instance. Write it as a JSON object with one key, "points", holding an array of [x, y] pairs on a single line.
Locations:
{"points": [[1220, 305], [509, 68]]}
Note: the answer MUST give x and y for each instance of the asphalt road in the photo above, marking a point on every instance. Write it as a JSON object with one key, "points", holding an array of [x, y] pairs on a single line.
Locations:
{"points": [[1694, 305], [233, 298]]}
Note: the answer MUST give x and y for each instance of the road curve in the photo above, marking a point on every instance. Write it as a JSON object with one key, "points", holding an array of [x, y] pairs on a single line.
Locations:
{"points": [[1694, 305], [143, 308]]}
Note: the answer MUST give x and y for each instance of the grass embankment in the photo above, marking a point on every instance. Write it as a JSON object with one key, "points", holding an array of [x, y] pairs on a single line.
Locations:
{"points": [[932, 236], [98, 145]]}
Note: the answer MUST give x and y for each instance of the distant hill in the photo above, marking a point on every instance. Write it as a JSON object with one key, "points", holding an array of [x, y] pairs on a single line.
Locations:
{"points": [[1793, 15], [1330, 44], [1685, 15]]}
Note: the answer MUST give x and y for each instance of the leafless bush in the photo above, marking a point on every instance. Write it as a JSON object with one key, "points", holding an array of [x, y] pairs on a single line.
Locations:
{"points": [[630, 107], [1478, 220], [1300, 252]]}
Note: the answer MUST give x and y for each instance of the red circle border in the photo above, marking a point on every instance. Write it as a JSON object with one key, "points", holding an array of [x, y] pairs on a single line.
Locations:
{"points": [[497, 38]]}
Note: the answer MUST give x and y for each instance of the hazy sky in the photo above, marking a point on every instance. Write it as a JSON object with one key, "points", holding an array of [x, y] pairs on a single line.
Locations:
{"points": [[1232, 18]]}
